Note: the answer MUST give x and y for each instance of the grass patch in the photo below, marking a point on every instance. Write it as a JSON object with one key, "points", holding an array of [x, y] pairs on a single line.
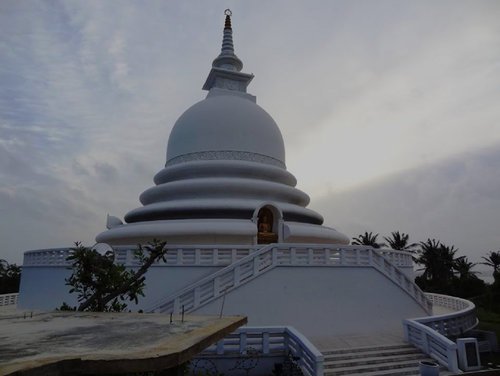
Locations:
{"points": [[489, 320]]}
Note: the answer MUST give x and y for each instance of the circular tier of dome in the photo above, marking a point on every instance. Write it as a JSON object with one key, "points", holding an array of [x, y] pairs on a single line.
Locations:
{"points": [[222, 189]]}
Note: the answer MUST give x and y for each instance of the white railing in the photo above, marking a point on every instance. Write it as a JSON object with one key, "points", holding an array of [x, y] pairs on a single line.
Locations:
{"points": [[452, 303], [8, 299], [432, 343], [281, 341], [399, 258], [432, 334], [46, 257], [177, 255], [231, 277], [190, 255]]}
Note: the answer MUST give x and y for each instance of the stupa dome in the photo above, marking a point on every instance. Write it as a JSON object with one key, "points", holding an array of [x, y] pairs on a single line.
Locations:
{"points": [[225, 180], [226, 121]]}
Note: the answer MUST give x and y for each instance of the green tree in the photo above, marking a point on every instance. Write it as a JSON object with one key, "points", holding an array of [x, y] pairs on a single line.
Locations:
{"points": [[466, 284], [463, 268], [103, 285], [400, 242], [10, 277], [367, 239], [493, 260], [437, 260]]}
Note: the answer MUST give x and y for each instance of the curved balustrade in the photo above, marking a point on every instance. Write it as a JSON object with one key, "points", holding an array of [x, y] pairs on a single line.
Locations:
{"points": [[201, 255], [277, 255], [432, 334], [178, 255]]}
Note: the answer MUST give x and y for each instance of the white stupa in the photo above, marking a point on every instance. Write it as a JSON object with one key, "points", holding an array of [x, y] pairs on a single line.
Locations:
{"points": [[225, 176], [241, 241]]}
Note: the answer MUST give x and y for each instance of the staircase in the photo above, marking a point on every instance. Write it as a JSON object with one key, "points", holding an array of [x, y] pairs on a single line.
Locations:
{"points": [[394, 359]]}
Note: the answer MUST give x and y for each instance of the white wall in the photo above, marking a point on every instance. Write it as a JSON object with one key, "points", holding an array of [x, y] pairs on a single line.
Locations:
{"points": [[43, 288], [317, 301], [321, 302]]}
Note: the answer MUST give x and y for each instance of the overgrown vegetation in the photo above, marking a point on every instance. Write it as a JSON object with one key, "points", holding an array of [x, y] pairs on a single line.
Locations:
{"points": [[443, 271], [10, 277], [101, 284]]}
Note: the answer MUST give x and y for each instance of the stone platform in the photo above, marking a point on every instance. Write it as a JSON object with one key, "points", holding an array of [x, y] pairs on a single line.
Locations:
{"points": [[102, 343]]}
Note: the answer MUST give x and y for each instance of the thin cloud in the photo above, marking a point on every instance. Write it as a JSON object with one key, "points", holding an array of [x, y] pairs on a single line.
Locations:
{"points": [[90, 92]]}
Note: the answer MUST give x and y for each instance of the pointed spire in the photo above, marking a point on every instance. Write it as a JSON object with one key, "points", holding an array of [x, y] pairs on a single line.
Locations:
{"points": [[227, 58], [226, 68]]}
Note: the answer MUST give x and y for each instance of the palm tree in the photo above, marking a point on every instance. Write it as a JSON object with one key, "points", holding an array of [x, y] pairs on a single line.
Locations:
{"points": [[493, 260], [399, 242], [367, 239], [464, 268], [438, 261]]}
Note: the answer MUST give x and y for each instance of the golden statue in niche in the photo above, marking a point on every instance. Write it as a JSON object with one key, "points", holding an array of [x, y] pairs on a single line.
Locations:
{"points": [[265, 234]]}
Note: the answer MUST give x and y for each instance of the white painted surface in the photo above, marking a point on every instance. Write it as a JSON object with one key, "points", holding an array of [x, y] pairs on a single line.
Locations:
{"points": [[43, 288], [229, 123], [320, 302]]}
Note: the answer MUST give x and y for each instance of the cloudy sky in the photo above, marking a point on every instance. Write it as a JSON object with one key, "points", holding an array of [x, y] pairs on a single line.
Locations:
{"points": [[390, 110]]}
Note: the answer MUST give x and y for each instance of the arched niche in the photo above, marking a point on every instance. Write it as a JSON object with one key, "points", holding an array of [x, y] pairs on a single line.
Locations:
{"points": [[268, 219]]}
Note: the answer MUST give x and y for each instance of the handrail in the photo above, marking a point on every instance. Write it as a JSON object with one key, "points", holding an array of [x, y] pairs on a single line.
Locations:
{"points": [[277, 255], [271, 340], [8, 299], [214, 285], [432, 343], [189, 255], [432, 334]]}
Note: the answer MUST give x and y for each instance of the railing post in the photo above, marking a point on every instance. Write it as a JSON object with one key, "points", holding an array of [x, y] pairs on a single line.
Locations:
{"points": [[196, 299], [237, 275], [342, 256], [406, 331], [176, 305], [220, 347], [215, 256], [243, 343], [425, 342], [197, 256], [275, 256], [319, 368], [265, 343], [451, 354], [328, 261], [216, 286], [255, 265]]}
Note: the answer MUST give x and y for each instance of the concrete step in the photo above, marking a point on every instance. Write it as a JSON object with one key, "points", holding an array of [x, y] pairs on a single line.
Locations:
{"points": [[385, 360], [373, 360], [366, 348], [381, 368], [388, 372], [371, 353]]}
